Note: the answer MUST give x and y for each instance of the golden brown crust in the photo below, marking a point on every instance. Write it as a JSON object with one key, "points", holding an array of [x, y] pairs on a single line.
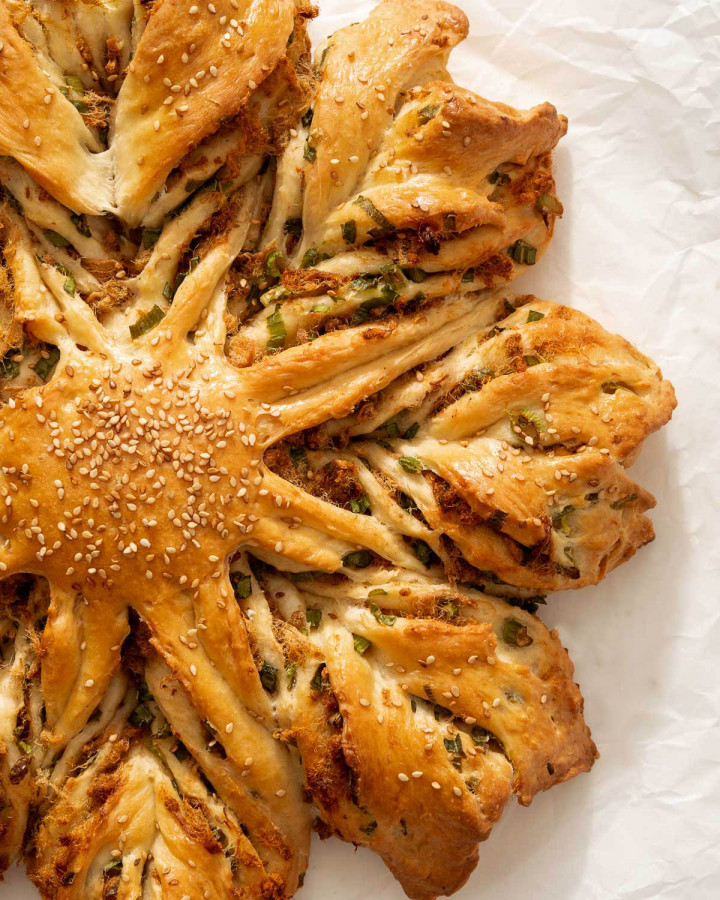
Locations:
{"points": [[174, 96], [281, 476]]}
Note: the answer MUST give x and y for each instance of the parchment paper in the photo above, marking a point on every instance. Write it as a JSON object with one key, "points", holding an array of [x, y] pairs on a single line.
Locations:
{"points": [[639, 249]]}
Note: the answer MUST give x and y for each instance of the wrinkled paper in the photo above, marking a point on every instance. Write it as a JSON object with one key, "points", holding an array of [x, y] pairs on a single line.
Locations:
{"points": [[639, 249]]}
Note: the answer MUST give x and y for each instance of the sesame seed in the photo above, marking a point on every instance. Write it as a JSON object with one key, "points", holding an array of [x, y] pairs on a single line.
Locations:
{"points": [[402, 777]]}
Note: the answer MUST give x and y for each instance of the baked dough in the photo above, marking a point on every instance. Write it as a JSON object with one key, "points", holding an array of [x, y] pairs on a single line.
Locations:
{"points": [[285, 468]]}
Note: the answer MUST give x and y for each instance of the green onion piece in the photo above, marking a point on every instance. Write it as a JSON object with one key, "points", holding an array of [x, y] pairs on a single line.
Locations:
{"points": [[147, 322], [276, 331], [9, 367], [531, 360], [363, 313], [300, 577], [291, 672], [611, 387], [561, 520], [515, 633], [309, 153], [150, 237], [522, 253], [268, 677], [476, 379], [428, 112], [81, 106], [549, 203], [307, 117], [69, 285], [391, 427], [535, 316], [80, 222], [618, 504], [293, 226], [378, 592], [241, 585], [360, 643], [272, 264], [74, 82], [25, 747], [481, 736], [358, 559], [167, 291], [410, 464], [468, 276], [141, 715], [349, 231], [313, 617], [361, 505], [411, 431], [381, 617], [320, 308], [530, 423], [164, 731], [57, 240], [368, 207], [454, 745], [44, 367], [449, 608], [311, 257], [424, 553], [113, 867], [414, 274]]}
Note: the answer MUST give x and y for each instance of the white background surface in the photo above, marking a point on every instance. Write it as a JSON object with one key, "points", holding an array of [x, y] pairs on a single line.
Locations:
{"points": [[639, 249]]}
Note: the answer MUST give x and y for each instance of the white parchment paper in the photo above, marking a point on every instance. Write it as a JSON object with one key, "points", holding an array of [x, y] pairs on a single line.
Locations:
{"points": [[639, 249]]}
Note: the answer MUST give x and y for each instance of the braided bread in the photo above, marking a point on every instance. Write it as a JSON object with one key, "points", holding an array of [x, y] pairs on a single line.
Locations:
{"points": [[285, 466]]}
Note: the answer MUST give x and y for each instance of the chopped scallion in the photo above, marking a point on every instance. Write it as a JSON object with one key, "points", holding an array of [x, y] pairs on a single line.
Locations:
{"points": [[381, 617], [368, 207], [515, 633], [361, 643], [522, 253], [57, 240], [276, 331], [147, 322], [349, 231], [410, 464]]}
